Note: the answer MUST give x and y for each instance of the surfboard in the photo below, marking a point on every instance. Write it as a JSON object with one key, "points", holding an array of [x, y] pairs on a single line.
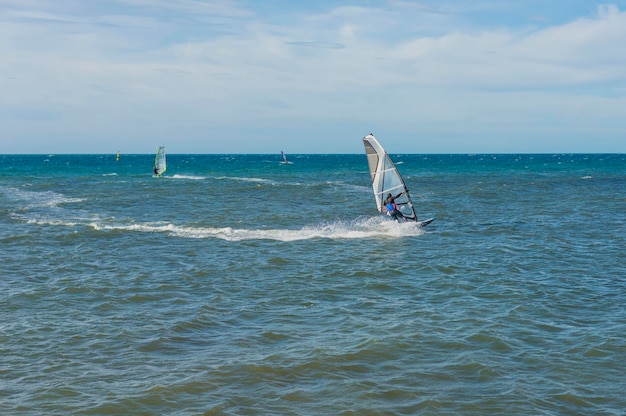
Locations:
{"points": [[424, 223]]}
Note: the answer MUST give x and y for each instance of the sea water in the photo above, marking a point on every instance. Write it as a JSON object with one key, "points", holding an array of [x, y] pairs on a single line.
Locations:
{"points": [[237, 285]]}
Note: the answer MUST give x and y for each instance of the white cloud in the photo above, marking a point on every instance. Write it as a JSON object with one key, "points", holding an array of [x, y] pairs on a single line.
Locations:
{"points": [[206, 65]]}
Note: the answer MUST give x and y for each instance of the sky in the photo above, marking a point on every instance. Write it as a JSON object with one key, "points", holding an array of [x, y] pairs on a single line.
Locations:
{"points": [[261, 76]]}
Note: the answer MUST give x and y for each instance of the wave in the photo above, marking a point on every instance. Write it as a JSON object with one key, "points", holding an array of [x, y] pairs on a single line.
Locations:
{"points": [[188, 177], [242, 179], [339, 230], [37, 199], [362, 228]]}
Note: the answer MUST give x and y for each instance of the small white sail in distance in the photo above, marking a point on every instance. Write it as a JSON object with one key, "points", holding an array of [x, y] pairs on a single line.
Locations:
{"points": [[159, 161]]}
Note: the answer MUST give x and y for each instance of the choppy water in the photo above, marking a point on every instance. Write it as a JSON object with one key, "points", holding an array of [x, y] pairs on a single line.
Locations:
{"points": [[236, 285]]}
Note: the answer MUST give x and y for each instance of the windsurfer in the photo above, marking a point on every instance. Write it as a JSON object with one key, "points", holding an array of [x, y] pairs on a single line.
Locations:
{"points": [[392, 208]]}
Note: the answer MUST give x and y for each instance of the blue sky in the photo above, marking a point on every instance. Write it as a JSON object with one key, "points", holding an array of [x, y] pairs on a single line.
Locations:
{"points": [[260, 76]]}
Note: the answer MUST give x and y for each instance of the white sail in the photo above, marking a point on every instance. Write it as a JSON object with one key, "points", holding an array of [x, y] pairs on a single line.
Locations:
{"points": [[386, 179], [159, 162]]}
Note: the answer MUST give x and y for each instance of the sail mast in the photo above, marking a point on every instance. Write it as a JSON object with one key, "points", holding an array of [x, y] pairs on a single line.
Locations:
{"points": [[386, 179], [159, 161]]}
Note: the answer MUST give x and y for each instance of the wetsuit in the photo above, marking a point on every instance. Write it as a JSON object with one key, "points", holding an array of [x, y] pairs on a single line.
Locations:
{"points": [[392, 209]]}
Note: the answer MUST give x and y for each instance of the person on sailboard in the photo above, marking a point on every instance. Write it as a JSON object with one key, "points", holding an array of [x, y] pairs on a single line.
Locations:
{"points": [[392, 208]]}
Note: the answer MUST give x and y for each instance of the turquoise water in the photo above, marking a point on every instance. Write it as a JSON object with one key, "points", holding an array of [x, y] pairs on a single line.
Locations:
{"points": [[236, 285]]}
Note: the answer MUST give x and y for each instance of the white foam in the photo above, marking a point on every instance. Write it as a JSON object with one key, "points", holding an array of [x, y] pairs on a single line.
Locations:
{"points": [[369, 228], [243, 179], [37, 199], [197, 178]]}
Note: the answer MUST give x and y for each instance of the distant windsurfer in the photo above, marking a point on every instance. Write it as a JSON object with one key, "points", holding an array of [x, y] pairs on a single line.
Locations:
{"points": [[392, 208]]}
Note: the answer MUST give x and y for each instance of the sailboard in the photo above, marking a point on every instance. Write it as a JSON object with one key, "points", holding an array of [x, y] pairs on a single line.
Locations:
{"points": [[117, 157], [159, 162], [387, 180], [283, 157]]}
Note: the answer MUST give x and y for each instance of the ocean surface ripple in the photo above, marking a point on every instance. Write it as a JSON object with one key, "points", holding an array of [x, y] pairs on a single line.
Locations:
{"points": [[236, 285]]}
